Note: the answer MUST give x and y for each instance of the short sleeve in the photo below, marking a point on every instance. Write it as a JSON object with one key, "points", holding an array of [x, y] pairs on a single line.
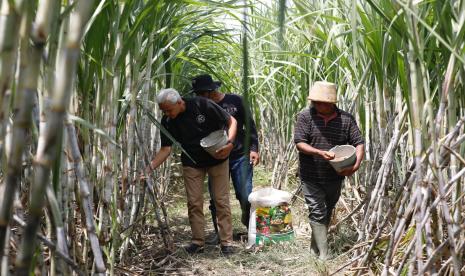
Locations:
{"points": [[301, 129], [355, 136], [165, 141]]}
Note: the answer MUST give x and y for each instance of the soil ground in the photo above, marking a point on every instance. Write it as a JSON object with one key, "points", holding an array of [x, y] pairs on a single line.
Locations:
{"points": [[290, 258]]}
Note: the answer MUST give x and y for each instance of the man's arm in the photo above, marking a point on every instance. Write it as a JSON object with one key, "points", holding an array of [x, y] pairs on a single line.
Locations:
{"points": [[254, 156], [224, 152], [232, 129], [309, 150], [302, 135], [159, 158], [355, 138], [360, 153]]}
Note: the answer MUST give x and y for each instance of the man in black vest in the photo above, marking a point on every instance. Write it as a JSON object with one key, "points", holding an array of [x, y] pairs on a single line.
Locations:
{"points": [[240, 162], [188, 121]]}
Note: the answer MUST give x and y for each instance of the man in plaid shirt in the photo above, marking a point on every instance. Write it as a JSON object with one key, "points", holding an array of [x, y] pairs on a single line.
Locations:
{"points": [[319, 128]]}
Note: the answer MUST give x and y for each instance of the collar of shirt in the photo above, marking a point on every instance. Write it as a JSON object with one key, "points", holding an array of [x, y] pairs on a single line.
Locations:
{"points": [[325, 118]]}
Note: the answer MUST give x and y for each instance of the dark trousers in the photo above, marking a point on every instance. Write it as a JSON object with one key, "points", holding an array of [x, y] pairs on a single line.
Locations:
{"points": [[321, 198], [241, 172]]}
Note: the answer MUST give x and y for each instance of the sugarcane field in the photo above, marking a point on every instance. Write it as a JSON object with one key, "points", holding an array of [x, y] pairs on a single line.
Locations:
{"points": [[232, 137]]}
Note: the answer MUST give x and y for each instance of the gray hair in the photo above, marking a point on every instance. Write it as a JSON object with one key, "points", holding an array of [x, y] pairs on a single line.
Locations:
{"points": [[169, 95]]}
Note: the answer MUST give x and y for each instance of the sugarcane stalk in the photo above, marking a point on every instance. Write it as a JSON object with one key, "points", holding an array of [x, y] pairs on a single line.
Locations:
{"points": [[51, 270], [452, 228], [380, 115], [131, 157], [72, 211], [10, 19], [101, 172], [383, 171], [47, 151], [19, 132], [400, 194], [401, 214], [415, 106], [108, 172], [154, 193], [113, 120], [452, 120], [62, 244], [407, 253], [25, 100], [127, 162], [432, 257], [400, 222], [79, 170], [53, 247], [445, 268]]}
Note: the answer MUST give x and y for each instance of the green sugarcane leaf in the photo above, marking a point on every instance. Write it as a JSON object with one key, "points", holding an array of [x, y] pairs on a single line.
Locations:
{"points": [[92, 127]]}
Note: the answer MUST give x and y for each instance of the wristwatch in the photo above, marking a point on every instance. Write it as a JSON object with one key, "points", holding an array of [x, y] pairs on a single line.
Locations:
{"points": [[229, 141]]}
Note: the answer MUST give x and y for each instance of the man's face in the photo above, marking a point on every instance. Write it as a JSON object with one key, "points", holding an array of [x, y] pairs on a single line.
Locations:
{"points": [[324, 108], [171, 110], [205, 94]]}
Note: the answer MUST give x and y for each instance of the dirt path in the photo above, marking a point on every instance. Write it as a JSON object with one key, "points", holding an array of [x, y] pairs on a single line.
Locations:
{"points": [[291, 258]]}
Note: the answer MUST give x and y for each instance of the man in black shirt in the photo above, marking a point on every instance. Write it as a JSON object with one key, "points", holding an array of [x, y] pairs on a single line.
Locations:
{"points": [[188, 121], [240, 162]]}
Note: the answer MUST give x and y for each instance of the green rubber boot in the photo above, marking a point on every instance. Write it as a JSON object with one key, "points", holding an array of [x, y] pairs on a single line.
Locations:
{"points": [[313, 247], [319, 233]]}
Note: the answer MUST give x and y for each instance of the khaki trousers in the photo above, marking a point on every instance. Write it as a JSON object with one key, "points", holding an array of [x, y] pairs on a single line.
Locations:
{"points": [[194, 183]]}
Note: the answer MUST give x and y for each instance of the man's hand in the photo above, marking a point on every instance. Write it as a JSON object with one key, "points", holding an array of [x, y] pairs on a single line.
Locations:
{"points": [[224, 151], [327, 155], [254, 158], [146, 172]]}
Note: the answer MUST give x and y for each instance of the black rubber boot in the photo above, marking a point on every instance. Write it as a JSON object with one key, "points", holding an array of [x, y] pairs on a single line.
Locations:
{"points": [[215, 239]]}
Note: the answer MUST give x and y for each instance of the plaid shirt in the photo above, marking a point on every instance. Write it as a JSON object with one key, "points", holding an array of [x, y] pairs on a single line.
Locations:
{"points": [[311, 129]]}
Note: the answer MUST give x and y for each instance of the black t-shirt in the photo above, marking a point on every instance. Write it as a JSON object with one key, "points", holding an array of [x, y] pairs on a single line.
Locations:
{"points": [[234, 105], [200, 118]]}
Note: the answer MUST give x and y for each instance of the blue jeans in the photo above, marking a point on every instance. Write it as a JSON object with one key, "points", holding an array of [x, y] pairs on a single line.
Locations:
{"points": [[241, 172]]}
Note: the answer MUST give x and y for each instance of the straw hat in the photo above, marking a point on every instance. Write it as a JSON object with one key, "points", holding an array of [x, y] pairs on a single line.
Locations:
{"points": [[323, 91]]}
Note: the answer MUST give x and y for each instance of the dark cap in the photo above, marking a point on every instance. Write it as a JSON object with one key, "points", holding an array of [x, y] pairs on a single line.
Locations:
{"points": [[204, 83]]}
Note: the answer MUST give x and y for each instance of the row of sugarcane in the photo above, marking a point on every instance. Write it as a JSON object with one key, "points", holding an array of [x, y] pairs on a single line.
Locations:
{"points": [[399, 66], [83, 57], [408, 96], [87, 176], [18, 30]]}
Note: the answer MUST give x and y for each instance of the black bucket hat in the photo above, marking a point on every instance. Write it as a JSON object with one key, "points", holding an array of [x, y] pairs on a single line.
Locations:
{"points": [[204, 83]]}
